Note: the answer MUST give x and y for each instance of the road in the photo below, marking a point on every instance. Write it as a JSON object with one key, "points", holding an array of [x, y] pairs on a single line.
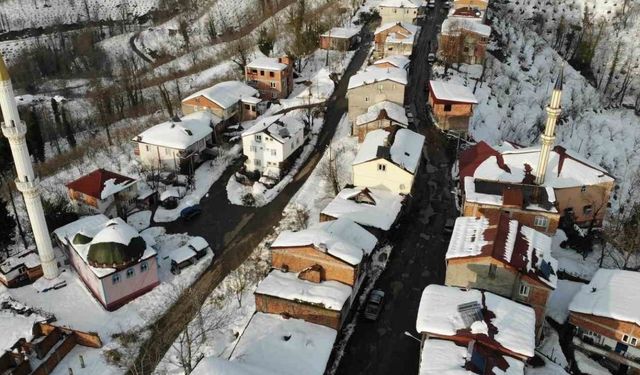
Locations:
{"points": [[235, 231], [420, 243]]}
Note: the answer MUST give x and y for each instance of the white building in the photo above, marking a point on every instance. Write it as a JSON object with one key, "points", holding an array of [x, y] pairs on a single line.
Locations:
{"points": [[272, 144], [398, 11], [384, 115], [388, 161], [179, 144]]}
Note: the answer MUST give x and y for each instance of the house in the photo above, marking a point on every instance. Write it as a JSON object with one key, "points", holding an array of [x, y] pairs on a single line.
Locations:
{"points": [[340, 38], [177, 145], [275, 345], [398, 11], [393, 61], [477, 4], [375, 85], [374, 209], [480, 321], [388, 160], [578, 188], [304, 296], [385, 115], [113, 260], [462, 41], [451, 105], [395, 38], [340, 249], [606, 317], [273, 144], [505, 257], [471, 13], [272, 76], [21, 269], [230, 100], [104, 192]]}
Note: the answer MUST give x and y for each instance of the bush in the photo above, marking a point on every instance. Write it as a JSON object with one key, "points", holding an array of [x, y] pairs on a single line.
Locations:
{"points": [[248, 200], [113, 356]]}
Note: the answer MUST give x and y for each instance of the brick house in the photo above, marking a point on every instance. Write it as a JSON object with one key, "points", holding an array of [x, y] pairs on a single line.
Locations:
{"points": [[20, 269], [385, 115], [451, 105], [393, 61], [103, 191], [375, 85], [468, 38], [230, 100], [271, 76], [606, 316], [340, 38], [395, 38], [339, 249], [505, 257]]}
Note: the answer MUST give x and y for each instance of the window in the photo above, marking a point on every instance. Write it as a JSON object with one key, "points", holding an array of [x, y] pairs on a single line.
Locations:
{"points": [[257, 162], [254, 71], [273, 84], [524, 290], [634, 341], [253, 148], [541, 221], [447, 107], [272, 74], [130, 272], [273, 152], [382, 167], [366, 98], [587, 210], [247, 107], [493, 269], [115, 278], [583, 189], [144, 266], [262, 72], [146, 147], [258, 138]]}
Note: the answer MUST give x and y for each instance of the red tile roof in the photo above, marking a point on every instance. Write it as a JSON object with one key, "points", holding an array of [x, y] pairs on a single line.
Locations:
{"points": [[92, 184]]}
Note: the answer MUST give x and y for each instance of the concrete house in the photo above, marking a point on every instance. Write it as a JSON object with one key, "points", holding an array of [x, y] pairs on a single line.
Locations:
{"points": [[272, 76], [451, 105], [272, 145], [230, 100], [579, 188], [388, 160], [177, 145], [20, 269], [395, 38], [502, 256], [113, 260], [398, 11], [340, 38], [467, 38], [393, 61], [104, 192], [606, 317], [385, 115], [375, 85], [339, 250]]}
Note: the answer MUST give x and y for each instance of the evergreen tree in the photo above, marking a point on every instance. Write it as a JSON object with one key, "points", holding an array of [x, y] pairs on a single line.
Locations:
{"points": [[68, 129], [35, 142], [265, 41], [7, 227]]}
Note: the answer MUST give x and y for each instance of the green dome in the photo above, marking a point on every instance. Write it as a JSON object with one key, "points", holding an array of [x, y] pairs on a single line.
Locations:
{"points": [[81, 239], [115, 246]]}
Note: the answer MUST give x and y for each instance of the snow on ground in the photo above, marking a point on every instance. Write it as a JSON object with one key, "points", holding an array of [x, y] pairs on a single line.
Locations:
{"points": [[558, 304], [550, 347], [13, 325], [588, 365], [549, 368], [140, 220]]}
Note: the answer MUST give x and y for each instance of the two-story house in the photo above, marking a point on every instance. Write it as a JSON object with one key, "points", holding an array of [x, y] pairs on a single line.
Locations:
{"points": [[398, 11], [502, 256], [230, 100], [463, 41], [395, 38], [272, 76], [388, 160], [451, 105], [104, 192], [20, 269], [385, 115], [375, 85], [606, 317], [272, 144]]}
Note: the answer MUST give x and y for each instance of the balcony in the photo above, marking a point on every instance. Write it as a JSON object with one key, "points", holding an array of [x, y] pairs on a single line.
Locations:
{"points": [[14, 131], [608, 353], [27, 186]]}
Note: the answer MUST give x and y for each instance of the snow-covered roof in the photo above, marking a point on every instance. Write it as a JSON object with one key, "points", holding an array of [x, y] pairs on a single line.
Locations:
{"points": [[342, 32], [331, 295], [405, 151], [273, 345], [354, 204], [374, 74], [611, 294], [410, 28], [101, 183], [453, 25], [182, 254], [29, 259], [225, 94], [446, 357], [467, 238], [280, 127], [399, 61], [398, 4], [169, 193], [198, 243], [267, 63], [503, 323], [341, 238], [452, 92], [394, 112], [180, 134]]}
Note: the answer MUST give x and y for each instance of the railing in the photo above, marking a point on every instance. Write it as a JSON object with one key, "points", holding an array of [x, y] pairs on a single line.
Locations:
{"points": [[608, 353]]}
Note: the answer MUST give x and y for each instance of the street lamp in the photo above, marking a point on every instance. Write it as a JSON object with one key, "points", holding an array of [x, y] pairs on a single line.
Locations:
{"points": [[406, 333]]}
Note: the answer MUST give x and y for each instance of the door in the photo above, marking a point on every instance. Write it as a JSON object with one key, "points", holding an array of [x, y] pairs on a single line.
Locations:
{"points": [[621, 348]]}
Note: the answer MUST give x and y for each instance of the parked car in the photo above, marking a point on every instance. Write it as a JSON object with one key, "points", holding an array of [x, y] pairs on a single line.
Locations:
{"points": [[190, 212], [432, 4], [431, 58], [448, 226], [447, 4], [374, 305]]}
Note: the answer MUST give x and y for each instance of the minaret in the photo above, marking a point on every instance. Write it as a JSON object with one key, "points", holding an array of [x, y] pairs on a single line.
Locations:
{"points": [[27, 184], [549, 136]]}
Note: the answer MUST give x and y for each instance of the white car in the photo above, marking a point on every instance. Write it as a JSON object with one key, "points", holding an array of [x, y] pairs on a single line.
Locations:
{"points": [[431, 58], [432, 4], [447, 4]]}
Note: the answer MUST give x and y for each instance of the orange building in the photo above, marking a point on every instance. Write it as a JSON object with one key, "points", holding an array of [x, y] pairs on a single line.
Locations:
{"points": [[273, 77], [451, 105]]}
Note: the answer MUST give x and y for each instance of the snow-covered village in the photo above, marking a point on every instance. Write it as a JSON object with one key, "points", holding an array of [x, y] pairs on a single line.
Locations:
{"points": [[320, 187]]}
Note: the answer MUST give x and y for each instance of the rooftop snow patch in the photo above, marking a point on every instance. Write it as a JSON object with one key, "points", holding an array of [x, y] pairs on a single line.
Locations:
{"points": [[280, 127], [613, 294], [225, 94], [181, 134], [398, 4], [267, 63], [452, 92], [492, 193], [374, 74], [453, 25], [368, 207], [341, 238], [515, 323], [410, 28], [467, 239], [393, 111], [405, 151], [399, 61], [342, 32], [331, 295]]}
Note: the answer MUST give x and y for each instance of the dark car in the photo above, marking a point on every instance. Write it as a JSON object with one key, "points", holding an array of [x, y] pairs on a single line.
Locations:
{"points": [[374, 305], [190, 212]]}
